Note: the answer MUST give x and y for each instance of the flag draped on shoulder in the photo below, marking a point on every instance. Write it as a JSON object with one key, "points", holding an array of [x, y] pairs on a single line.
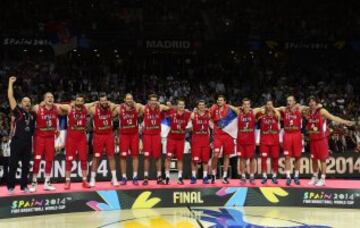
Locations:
{"points": [[229, 123]]}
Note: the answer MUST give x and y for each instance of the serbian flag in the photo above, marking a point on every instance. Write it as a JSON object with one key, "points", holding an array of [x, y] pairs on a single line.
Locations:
{"points": [[62, 37], [165, 127], [229, 123]]}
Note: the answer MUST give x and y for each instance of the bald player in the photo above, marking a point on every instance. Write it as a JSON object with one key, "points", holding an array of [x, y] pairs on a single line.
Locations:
{"points": [[292, 138], [128, 113]]}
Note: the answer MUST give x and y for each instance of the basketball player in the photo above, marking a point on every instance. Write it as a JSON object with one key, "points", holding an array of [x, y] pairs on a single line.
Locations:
{"points": [[128, 113], [103, 138], [76, 143], [221, 139], [269, 140], [318, 135], [44, 140], [179, 119], [292, 139], [246, 137], [152, 115], [200, 141]]}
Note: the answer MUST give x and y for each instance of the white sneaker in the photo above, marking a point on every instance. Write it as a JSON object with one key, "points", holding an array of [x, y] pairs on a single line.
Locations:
{"points": [[11, 191], [48, 186], [92, 182], [320, 183], [313, 181], [25, 190], [32, 189], [114, 182]]}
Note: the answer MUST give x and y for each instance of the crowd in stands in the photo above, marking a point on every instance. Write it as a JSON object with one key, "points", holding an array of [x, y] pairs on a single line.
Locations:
{"points": [[259, 77]]}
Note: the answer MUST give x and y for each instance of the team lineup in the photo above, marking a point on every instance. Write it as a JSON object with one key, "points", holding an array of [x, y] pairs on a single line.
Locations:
{"points": [[40, 121]]}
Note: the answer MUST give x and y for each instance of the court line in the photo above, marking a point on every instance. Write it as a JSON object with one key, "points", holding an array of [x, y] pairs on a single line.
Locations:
{"points": [[130, 219], [197, 220]]}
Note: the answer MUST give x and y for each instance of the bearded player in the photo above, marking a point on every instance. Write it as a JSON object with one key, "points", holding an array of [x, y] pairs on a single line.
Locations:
{"points": [[179, 119], [44, 139], [221, 139], [269, 140], [246, 137], [318, 135], [103, 138], [200, 140], [75, 142]]}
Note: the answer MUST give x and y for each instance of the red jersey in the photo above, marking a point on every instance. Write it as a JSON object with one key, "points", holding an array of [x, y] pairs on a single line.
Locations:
{"points": [[316, 125], [77, 121], [269, 130], [292, 120], [216, 116], [178, 123], [46, 122], [128, 120], [102, 120], [152, 120], [246, 128], [200, 124]]}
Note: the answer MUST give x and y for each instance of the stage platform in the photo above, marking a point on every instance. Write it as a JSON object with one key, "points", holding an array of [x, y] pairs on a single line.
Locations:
{"points": [[104, 197]]}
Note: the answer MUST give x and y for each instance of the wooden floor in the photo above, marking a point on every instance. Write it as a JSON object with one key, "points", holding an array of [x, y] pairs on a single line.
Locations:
{"points": [[197, 217]]}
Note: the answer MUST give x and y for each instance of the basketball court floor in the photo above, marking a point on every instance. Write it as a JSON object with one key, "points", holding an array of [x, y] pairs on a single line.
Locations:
{"points": [[197, 217]]}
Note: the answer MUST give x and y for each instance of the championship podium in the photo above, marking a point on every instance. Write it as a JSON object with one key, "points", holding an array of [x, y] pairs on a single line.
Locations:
{"points": [[104, 197]]}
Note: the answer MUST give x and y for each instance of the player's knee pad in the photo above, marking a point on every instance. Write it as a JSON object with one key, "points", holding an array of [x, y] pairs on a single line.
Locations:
{"points": [[97, 155], [146, 154], [196, 159], [123, 155]]}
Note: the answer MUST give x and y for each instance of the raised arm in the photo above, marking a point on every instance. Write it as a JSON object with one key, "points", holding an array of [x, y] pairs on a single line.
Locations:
{"points": [[12, 100], [35, 108], [337, 119]]}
